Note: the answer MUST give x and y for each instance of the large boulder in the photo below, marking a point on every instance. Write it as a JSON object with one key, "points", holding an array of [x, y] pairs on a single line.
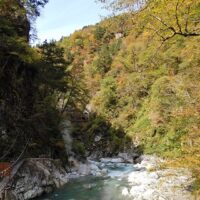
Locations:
{"points": [[128, 157], [37, 176]]}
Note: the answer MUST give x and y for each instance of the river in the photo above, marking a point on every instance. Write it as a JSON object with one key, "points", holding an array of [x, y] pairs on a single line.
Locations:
{"points": [[111, 187], [128, 182]]}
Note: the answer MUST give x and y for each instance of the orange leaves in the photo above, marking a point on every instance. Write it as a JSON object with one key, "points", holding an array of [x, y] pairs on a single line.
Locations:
{"points": [[185, 112]]}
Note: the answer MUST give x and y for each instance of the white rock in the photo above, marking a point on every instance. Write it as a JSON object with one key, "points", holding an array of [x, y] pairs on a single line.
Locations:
{"points": [[97, 138], [112, 160], [125, 192], [84, 169], [37, 176], [94, 167], [104, 172]]}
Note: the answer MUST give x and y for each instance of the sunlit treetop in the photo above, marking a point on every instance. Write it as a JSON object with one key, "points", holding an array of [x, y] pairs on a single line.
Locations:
{"points": [[124, 5], [33, 6]]}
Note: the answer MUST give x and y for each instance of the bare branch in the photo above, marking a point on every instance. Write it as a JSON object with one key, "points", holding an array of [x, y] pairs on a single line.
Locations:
{"points": [[164, 23], [187, 19], [177, 18]]}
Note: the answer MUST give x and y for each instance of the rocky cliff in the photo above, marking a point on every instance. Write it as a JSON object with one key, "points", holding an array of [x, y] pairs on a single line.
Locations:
{"points": [[34, 178]]}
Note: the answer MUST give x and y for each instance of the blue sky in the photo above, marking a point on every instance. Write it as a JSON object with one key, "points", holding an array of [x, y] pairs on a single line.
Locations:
{"points": [[62, 17]]}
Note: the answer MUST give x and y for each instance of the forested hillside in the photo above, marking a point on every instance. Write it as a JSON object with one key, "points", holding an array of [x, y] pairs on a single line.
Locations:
{"points": [[130, 82], [142, 73], [34, 87]]}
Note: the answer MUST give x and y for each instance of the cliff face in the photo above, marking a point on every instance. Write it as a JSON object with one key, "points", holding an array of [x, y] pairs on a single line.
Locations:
{"points": [[35, 177], [16, 76]]}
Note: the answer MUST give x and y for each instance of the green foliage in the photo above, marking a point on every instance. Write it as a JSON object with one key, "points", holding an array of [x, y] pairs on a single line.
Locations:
{"points": [[109, 93], [196, 186], [99, 33], [36, 85], [79, 42], [115, 47], [111, 140], [53, 73], [78, 148], [102, 64], [146, 84]]}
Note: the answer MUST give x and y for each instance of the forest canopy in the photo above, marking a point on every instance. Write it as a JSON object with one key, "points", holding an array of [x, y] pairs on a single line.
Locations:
{"points": [[137, 71], [34, 81]]}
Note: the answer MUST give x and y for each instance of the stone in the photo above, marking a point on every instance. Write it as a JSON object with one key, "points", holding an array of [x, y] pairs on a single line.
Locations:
{"points": [[159, 184], [37, 176], [97, 138], [104, 172], [111, 160], [129, 157], [125, 192], [83, 169], [94, 167]]}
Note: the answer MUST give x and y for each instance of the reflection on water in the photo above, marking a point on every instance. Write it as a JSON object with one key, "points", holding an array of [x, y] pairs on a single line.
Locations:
{"points": [[91, 188]]}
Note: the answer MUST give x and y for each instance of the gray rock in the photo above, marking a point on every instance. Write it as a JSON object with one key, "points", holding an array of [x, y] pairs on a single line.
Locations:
{"points": [[104, 172], [97, 138], [111, 160], [160, 184], [37, 176], [128, 158], [84, 169]]}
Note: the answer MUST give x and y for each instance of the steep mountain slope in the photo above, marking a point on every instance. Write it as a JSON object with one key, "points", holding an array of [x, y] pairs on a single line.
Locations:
{"points": [[143, 86]]}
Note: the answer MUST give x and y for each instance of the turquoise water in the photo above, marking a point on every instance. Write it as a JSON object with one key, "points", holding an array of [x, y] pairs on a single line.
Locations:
{"points": [[91, 188]]}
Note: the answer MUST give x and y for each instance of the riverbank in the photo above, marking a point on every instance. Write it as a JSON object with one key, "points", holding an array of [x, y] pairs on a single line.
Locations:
{"points": [[144, 180], [33, 178]]}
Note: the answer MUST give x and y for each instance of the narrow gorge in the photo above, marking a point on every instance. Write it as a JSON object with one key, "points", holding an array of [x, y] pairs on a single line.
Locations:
{"points": [[109, 111]]}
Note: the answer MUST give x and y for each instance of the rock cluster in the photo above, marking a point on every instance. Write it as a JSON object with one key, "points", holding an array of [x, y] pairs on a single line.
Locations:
{"points": [[37, 176], [149, 182], [145, 180]]}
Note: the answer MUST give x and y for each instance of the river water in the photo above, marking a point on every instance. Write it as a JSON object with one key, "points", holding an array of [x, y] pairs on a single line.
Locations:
{"points": [[112, 187], [127, 182]]}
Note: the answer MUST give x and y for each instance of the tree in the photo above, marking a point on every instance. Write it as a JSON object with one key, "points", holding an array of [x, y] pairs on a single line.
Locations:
{"points": [[109, 92], [17, 72], [27, 113], [33, 6], [99, 32], [124, 5], [180, 17], [52, 71], [165, 19], [104, 60]]}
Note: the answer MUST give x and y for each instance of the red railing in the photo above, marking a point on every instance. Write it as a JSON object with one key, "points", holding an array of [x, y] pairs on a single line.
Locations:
{"points": [[5, 169]]}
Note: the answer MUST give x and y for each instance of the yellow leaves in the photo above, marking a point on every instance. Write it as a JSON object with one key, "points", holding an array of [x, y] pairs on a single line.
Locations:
{"points": [[185, 112], [121, 81], [191, 141], [168, 18], [156, 118]]}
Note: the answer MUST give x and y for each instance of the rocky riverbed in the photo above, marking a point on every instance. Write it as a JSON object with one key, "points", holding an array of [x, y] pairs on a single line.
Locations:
{"points": [[143, 181], [106, 179], [152, 183]]}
